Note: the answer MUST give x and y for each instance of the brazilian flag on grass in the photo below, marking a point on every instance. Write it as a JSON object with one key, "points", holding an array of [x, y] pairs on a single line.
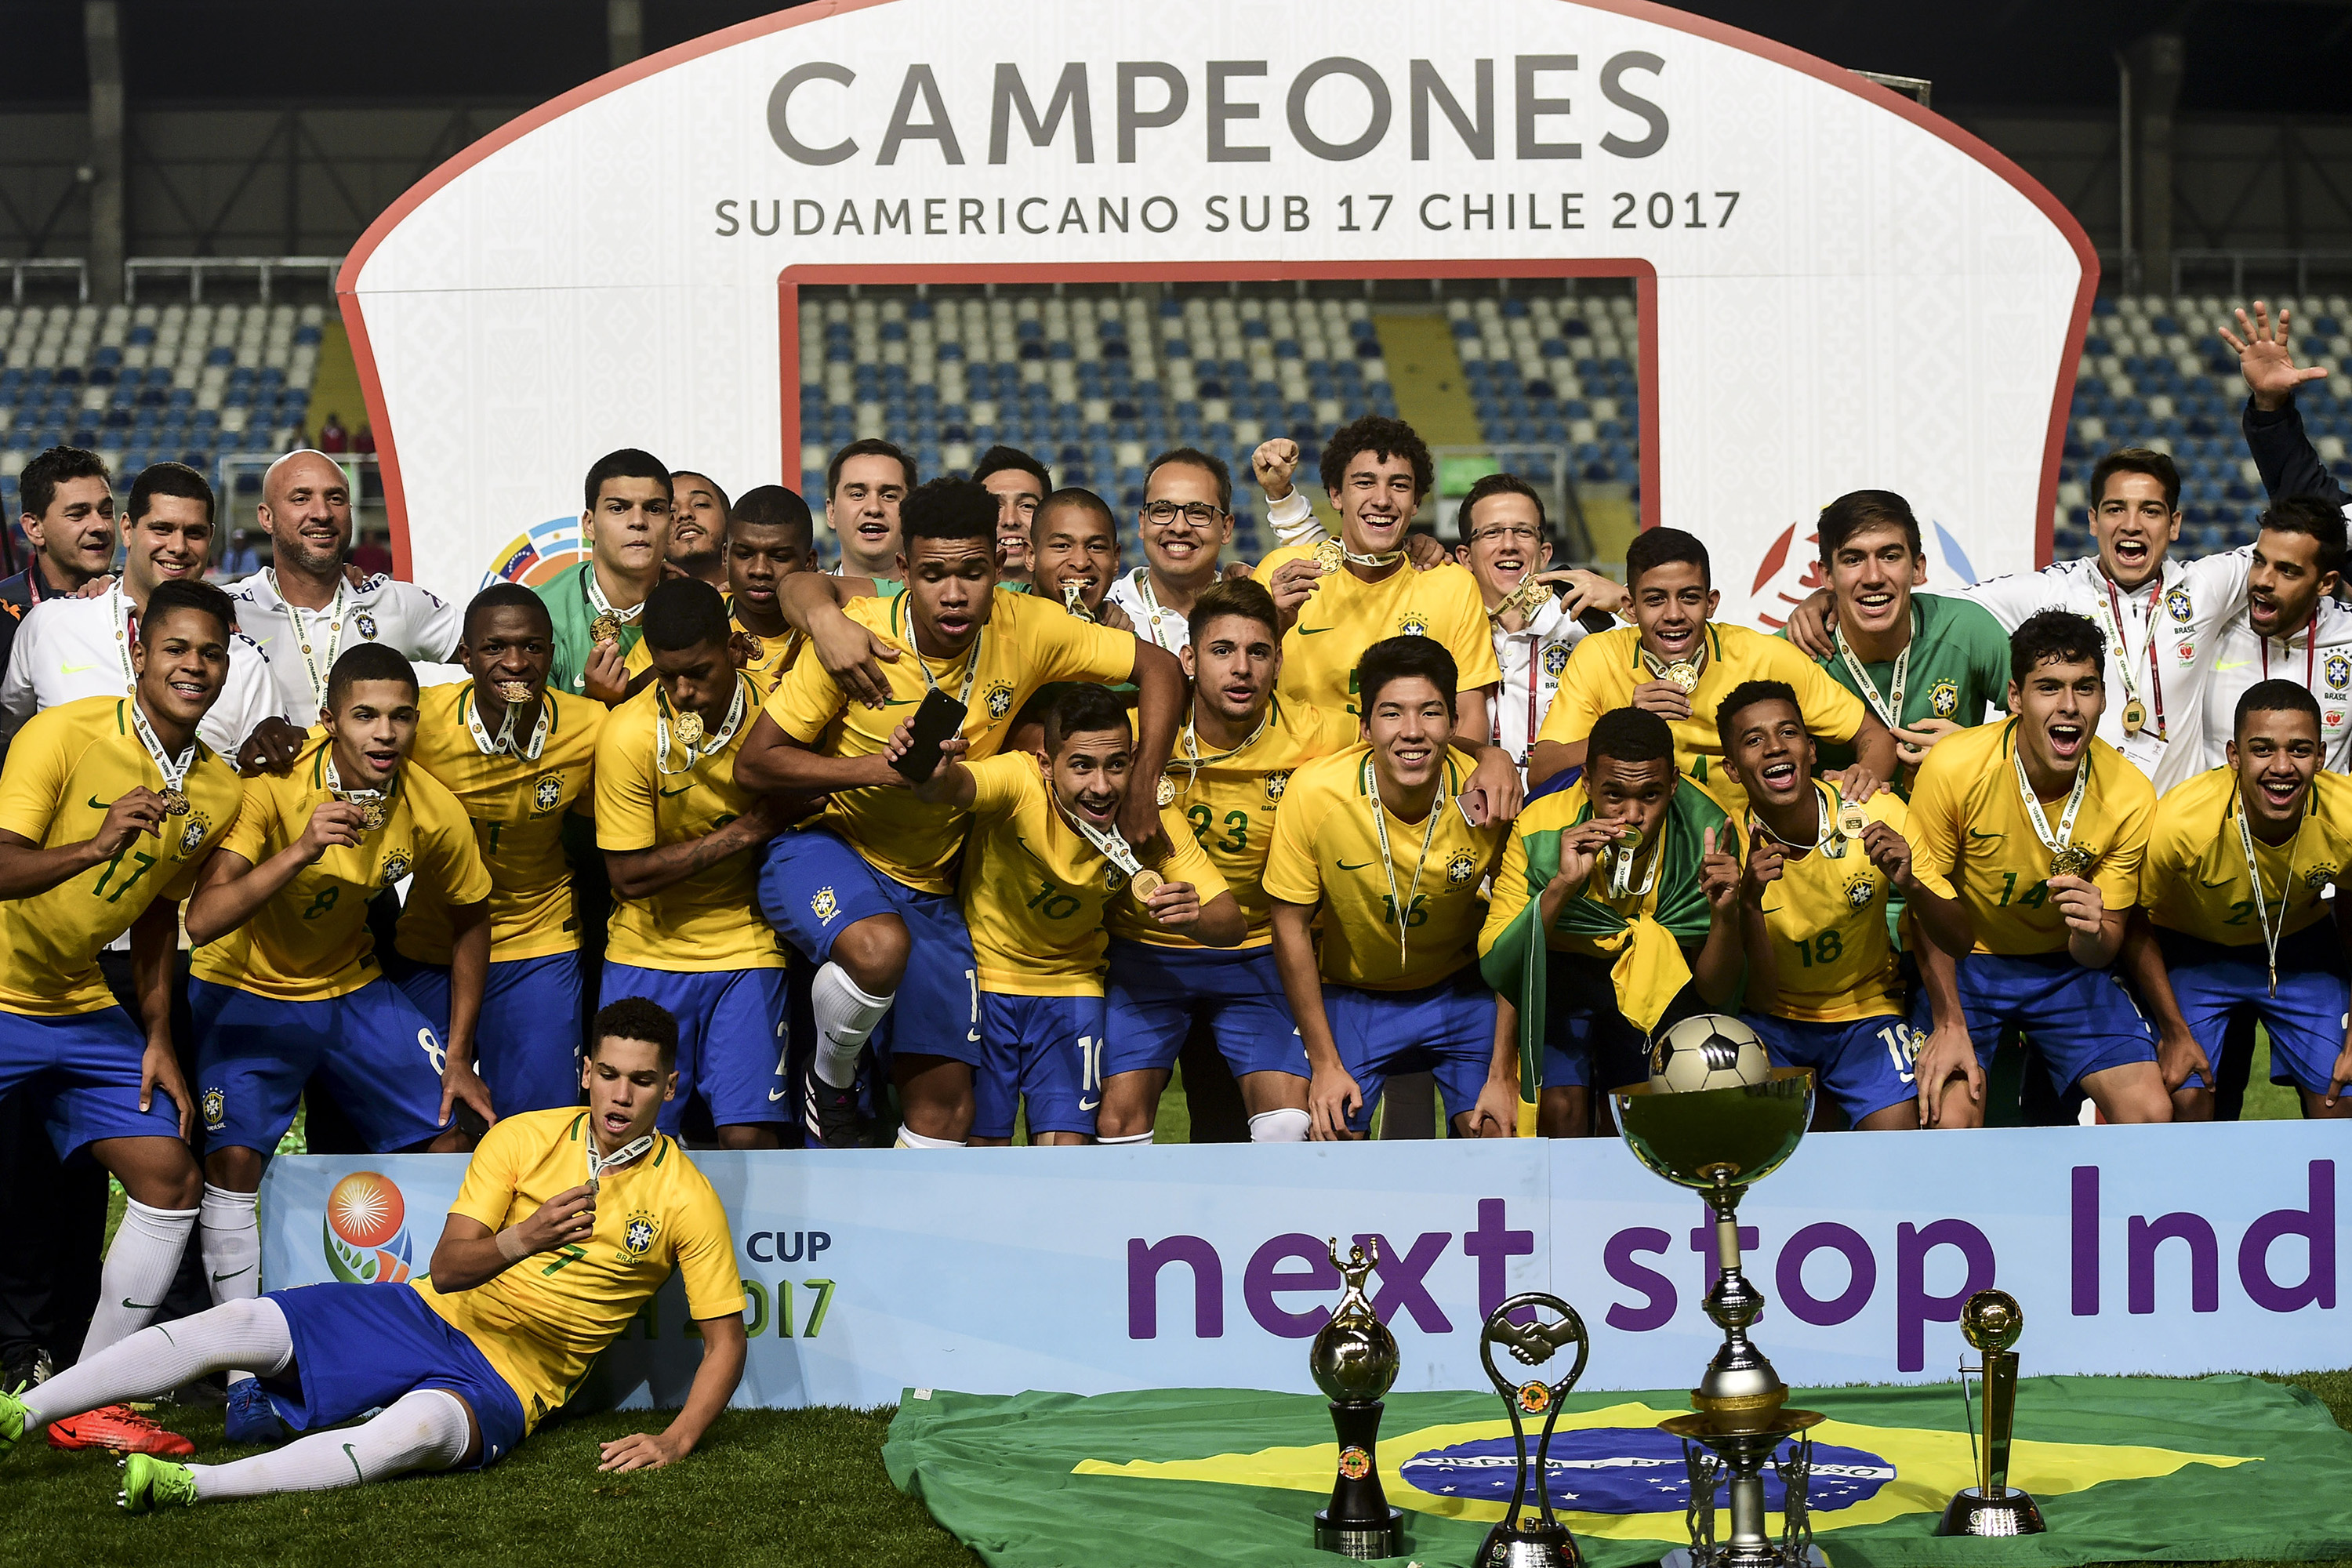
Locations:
{"points": [[2124, 1468]]}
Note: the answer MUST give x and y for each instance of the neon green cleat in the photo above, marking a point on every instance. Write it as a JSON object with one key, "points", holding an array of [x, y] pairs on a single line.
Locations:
{"points": [[12, 1421], [150, 1483]]}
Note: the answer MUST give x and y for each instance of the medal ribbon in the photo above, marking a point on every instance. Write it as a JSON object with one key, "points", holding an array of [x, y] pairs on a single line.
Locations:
{"points": [[316, 669], [1826, 838], [600, 1163], [1658, 667], [1142, 580], [2111, 621], [1070, 602], [906, 631], [124, 630], [1621, 869], [173, 769], [1388, 862], [1188, 740], [2271, 933], [505, 741], [1889, 709], [2033, 811], [604, 606], [1113, 845], [372, 802], [709, 745]]}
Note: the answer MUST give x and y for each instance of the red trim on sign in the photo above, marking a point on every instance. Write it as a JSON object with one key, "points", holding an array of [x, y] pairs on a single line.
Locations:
{"points": [[1646, 283], [2053, 448]]}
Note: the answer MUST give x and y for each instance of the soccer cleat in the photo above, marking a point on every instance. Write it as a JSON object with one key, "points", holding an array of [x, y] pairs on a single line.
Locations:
{"points": [[252, 1418], [149, 1483], [830, 1114], [12, 1421], [117, 1428]]}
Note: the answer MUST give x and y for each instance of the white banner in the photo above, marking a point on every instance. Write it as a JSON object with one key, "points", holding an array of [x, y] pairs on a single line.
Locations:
{"points": [[1837, 289], [2179, 1250]]}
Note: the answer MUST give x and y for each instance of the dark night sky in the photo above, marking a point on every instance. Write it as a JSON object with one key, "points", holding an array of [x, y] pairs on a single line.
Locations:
{"points": [[2245, 57]]}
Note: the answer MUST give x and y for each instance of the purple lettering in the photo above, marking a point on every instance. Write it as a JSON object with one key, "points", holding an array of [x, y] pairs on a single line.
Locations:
{"points": [[2087, 1241], [1617, 1257], [1401, 1274], [1861, 1273], [1265, 1279], [1494, 1244], [2143, 1236], [2316, 1226], [1914, 1308], [1144, 1262]]}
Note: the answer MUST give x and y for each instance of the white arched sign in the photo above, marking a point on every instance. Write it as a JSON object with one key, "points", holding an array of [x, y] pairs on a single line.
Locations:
{"points": [[1837, 289]]}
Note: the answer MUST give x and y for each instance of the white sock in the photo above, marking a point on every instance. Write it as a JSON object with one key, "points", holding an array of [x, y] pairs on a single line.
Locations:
{"points": [[139, 1269], [229, 1230], [845, 1016], [910, 1139], [166, 1356], [422, 1430], [1143, 1137], [1284, 1126]]}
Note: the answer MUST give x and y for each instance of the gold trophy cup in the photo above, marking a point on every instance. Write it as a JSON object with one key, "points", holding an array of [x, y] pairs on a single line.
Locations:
{"points": [[1990, 1322], [1721, 1142]]}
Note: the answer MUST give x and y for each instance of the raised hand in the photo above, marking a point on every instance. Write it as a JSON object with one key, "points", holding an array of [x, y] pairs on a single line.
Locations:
{"points": [[1720, 876], [1766, 860], [334, 823], [1273, 462], [136, 811], [2266, 358]]}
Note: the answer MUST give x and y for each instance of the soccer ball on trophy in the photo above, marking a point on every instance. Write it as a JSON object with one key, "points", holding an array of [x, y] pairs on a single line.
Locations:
{"points": [[1706, 1050]]}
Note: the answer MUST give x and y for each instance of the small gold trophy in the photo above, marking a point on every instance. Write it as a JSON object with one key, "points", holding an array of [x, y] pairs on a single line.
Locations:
{"points": [[1355, 1362], [1991, 1323]]}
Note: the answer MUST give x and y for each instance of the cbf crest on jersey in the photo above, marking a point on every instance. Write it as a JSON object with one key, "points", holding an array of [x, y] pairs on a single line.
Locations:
{"points": [[1859, 892], [824, 906], [1462, 867], [365, 625], [2176, 604], [1276, 783], [638, 1236], [2339, 672], [1554, 659], [1944, 699], [396, 865], [1414, 626], [191, 835], [546, 792], [1000, 699]]}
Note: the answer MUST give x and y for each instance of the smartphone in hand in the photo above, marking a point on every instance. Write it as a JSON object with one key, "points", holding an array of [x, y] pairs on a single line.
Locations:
{"points": [[939, 717]]}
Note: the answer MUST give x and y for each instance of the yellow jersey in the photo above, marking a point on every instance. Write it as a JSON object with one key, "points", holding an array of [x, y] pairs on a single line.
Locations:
{"points": [[1971, 838], [310, 943], [711, 919], [2195, 881], [776, 654], [516, 805], [1026, 644], [1327, 852], [1606, 667], [1345, 615], [543, 1323], [1034, 889], [1827, 919], [1229, 804], [66, 766]]}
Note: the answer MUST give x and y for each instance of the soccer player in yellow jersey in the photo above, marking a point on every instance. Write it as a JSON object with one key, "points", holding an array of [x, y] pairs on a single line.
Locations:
{"points": [[1619, 906], [567, 1224], [2240, 861], [1045, 862], [1074, 552], [1824, 990], [2039, 828], [1374, 856], [855, 889], [286, 983], [108, 808], [1678, 662], [520, 758], [1231, 771], [681, 835], [770, 536]]}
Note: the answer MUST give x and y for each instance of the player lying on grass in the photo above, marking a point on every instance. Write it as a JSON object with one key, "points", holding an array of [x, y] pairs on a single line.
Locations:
{"points": [[567, 1224]]}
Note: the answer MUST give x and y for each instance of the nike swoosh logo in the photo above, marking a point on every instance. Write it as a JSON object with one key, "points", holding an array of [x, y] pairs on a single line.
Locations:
{"points": [[1088, 1104], [1312, 631], [2222, 883], [234, 1273], [98, 804], [901, 701], [1365, 867], [774, 1095], [971, 1036], [2240, 665], [354, 1458], [131, 1306], [1975, 836], [679, 790], [74, 668]]}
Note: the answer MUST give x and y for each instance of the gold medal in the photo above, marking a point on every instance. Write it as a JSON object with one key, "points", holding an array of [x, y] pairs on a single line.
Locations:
{"points": [[175, 802], [687, 728], [2135, 716], [513, 690], [1330, 555], [1630, 839], [1166, 794], [2069, 860], [1145, 883], [1852, 822], [1683, 673], [605, 629], [373, 814]]}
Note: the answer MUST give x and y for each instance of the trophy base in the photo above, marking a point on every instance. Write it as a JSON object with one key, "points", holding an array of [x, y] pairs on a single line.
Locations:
{"points": [[1360, 1539], [1532, 1545], [2012, 1512], [1684, 1557]]}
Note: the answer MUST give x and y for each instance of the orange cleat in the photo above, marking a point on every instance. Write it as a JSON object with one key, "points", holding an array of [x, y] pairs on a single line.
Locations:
{"points": [[118, 1429]]}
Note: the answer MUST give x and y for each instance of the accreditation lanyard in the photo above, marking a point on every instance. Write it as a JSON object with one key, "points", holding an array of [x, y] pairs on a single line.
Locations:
{"points": [[317, 668], [1535, 672], [1332, 553], [505, 741], [1388, 862], [1889, 708], [688, 737], [126, 632], [2060, 843], [1188, 741], [902, 622], [2111, 611], [1153, 612], [2271, 933], [600, 1163], [1827, 839], [2310, 657], [1621, 868], [606, 623], [1112, 845], [174, 770]]}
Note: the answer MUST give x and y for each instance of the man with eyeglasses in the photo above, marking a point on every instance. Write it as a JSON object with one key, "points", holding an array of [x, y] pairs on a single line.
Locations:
{"points": [[1506, 545], [1187, 517]]}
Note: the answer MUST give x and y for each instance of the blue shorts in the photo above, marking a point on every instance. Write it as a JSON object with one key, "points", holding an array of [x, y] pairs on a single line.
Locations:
{"points": [[1863, 1064], [527, 1043], [2305, 1020], [357, 1348], [813, 887], [2082, 1020], [86, 1066], [1588, 1043], [380, 1057], [1447, 1029], [1047, 1050], [730, 1038], [1154, 994]]}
